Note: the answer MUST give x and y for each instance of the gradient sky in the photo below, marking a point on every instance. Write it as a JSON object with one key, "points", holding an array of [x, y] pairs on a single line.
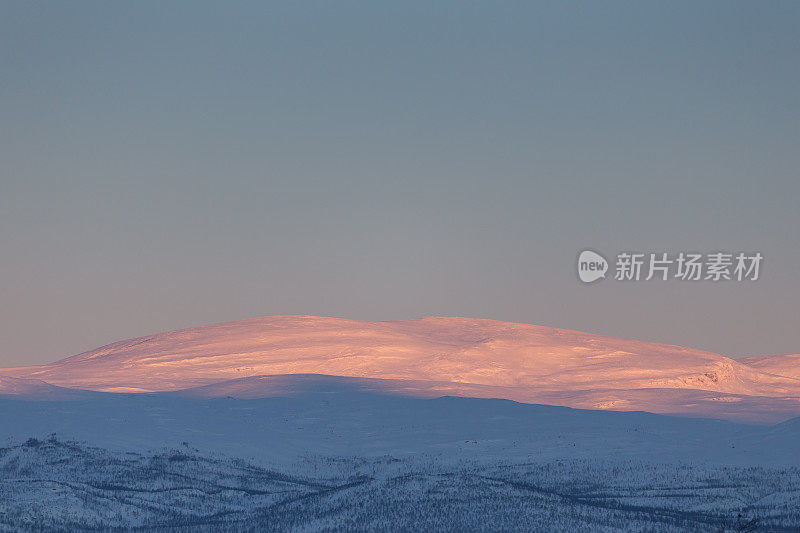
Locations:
{"points": [[171, 164]]}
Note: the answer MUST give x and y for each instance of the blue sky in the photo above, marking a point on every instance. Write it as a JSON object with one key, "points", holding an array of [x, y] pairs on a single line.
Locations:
{"points": [[166, 165]]}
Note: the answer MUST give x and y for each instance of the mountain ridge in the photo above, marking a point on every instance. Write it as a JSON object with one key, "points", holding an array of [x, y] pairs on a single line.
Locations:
{"points": [[784, 364], [521, 362]]}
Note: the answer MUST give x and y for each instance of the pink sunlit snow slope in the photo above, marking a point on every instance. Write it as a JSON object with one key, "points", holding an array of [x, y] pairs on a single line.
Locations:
{"points": [[439, 356]]}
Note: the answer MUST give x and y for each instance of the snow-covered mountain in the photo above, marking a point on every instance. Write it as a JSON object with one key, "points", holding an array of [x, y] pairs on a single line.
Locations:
{"points": [[782, 365], [306, 423], [431, 357]]}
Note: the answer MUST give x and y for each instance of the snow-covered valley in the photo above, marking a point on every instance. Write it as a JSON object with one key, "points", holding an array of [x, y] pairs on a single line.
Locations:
{"points": [[342, 459], [52, 484]]}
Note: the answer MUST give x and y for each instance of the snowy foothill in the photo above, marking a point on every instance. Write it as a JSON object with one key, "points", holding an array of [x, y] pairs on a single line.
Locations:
{"points": [[339, 458]]}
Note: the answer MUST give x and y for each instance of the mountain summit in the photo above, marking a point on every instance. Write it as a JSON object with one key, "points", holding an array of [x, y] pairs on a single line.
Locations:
{"points": [[476, 357]]}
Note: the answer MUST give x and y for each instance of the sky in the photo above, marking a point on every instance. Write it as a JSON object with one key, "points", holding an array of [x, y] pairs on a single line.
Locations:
{"points": [[170, 164]]}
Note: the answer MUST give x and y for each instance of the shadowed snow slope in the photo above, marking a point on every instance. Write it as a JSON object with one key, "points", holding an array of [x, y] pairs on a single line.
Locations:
{"points": [[36, 389], [434, 356], [334, 419], [683, 402]]}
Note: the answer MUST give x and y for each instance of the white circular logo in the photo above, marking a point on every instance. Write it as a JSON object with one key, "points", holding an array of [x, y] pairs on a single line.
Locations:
{"points": [[591, 266]]}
